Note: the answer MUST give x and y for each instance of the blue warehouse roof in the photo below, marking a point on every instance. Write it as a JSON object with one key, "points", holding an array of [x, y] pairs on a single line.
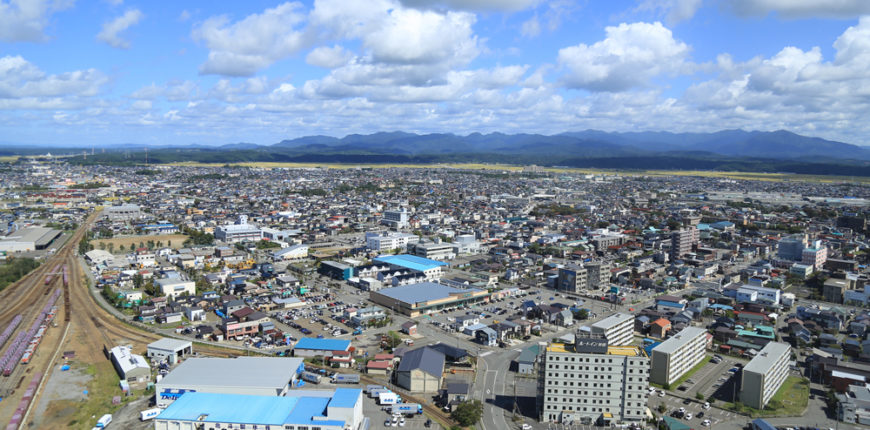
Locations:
{"points": [[323, 344], [258, 410], [423, 292], [345, 397], [410, 262]]}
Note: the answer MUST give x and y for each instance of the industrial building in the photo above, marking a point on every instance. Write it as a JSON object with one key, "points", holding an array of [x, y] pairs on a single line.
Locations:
{"points": [[28, 239], [341, 409], [168, 350], [174, 286], [122, 213], [421, 370], [680, 353], [617, 328], [260, 376], [430, 268], [419, 299], [590, 382], [763, 376], [313, 347], [130, 367], [295, 252], [388, 241]]}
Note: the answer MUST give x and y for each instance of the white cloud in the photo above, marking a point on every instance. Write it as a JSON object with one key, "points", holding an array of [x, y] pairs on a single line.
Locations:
{"points": [[629, 57], [801, 8], [674, 10], [110, 33], [25, 20], [24, 85], [409, 36], [252, 44], [328, 57], [473, 5], [531, 27]]}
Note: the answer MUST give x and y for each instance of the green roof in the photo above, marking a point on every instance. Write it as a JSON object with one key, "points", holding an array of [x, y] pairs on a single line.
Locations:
{"points": [[675, 424]]}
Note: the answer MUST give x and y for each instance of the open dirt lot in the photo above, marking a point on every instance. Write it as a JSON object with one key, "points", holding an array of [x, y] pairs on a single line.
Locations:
{"points": [[171, 240]]}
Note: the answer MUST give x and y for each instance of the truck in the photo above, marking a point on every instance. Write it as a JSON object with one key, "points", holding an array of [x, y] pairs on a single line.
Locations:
{"points": [[407, 408], [369, 388], [311, 377], [104, 421], [344, 378], [377, 392], [149, 414], [388, 398]]}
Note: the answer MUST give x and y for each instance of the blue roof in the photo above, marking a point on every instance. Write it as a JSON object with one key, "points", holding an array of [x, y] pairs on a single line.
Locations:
{"points": [[410, 262], [423, 292], [721, 306], [763, 425], [296, 408], [230, 408], [323, 344], [345, 397]]}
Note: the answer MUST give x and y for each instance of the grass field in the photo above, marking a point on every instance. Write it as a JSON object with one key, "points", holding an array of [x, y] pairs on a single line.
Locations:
{"points": [[750, 176], [8, 158], [171, 240], [789, 401]]}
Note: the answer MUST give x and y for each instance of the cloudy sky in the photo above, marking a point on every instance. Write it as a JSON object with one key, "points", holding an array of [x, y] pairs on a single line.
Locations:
{"points": [[103, 72]]}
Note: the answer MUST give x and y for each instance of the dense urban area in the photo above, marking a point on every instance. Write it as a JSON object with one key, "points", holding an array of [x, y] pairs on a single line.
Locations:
{"points": [[357, 298]]}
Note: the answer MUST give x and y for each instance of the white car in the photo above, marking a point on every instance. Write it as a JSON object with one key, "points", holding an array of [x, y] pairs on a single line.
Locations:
{"points": [[402, 422], [705, 423], [527, 426], [661, 393], [689, 416], [682, 410], [706, 405]]}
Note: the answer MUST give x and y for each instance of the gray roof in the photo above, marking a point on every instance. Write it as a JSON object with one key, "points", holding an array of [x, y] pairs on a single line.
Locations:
{"points": [[423, 292], [679, 339], [169, 344], [265, 372], [425, 359], [766, 358], [612, 321]]}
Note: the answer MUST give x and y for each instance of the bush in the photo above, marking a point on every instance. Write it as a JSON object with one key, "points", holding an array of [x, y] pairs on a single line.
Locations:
{"points": [[468, 413]]}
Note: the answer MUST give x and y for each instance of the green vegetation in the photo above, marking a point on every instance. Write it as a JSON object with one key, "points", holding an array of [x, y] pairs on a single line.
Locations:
{"points": [[789, 401], [556, 209], [196, 237], [467, 413], [267, 244], [581, 314], [16, 269]]}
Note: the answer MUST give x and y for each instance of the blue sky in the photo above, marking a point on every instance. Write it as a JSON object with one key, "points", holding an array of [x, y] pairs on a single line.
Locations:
{"points": [[159, 72]]}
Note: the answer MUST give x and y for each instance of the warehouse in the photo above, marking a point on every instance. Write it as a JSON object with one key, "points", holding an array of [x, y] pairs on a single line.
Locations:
{"points": [[260, 376], [423, 298], [168, 350], [325, 410], [29, 239], [430, 268], [421, 370], [312, 347], [130, 367]]}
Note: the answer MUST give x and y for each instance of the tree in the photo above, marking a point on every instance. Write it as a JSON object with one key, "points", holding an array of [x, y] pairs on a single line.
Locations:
{"points": [[581, 314], [467, 413], [138, 281], [393, 339]]}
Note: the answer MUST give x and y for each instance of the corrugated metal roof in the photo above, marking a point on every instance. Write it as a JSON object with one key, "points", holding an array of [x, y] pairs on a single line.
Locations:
{"points": [[410, 262], [423, 292], [323, 344], [268, 372]]}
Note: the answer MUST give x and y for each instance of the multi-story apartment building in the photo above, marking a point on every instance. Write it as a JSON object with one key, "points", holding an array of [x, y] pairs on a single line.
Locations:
{"points": [[396, 219], [572, 278], [682, 241], [617, 328], [815, 256], [590, 382], [598, 274], [764, 374], [791, 247], [677, 355]]}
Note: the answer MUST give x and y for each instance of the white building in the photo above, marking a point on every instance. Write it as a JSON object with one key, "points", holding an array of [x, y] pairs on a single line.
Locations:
{"points": [[241, 231], [130, 367], [168, 350], [617, 328], [466, 244], [396, 218], [127, 212], [680, 353], [763, 376], [589, 382], [755, 294], [295, 252], [175, 286], [389, 241], [258, 376]]}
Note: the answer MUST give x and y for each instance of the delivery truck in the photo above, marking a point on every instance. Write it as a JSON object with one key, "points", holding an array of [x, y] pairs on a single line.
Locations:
{"points": [[377, 392], [149, 414], [344, 378], [104, 421], [311, 377], [388, 398], [407, 408]]}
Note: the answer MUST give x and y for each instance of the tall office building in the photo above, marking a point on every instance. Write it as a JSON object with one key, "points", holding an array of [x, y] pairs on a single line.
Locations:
{"points": [[680, 353], [763, 376], [590, 382], [572, 278], [791, 248], [617, 328]]}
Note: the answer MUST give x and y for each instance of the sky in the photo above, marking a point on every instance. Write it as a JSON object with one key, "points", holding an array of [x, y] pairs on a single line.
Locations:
{"points": [[106, 72]]}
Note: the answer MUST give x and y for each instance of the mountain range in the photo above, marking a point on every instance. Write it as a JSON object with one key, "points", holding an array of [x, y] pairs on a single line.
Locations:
{"points": [[728, 149]]}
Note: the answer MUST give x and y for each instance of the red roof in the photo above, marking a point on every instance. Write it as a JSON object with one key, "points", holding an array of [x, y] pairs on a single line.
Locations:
{"points": [[661, 322], [379, 364]]}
